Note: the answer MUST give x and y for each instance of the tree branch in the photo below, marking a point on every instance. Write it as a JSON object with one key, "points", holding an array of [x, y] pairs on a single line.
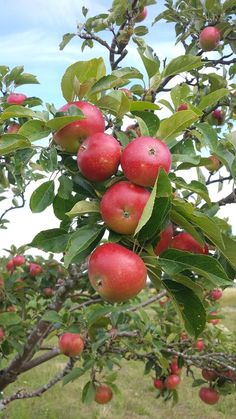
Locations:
{"points": [[40, 360]]}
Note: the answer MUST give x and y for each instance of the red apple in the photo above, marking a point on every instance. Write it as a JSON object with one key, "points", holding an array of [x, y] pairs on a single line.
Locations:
{"points": [[185, 242], [16, 98], [214, 163], [35, 269], [18, 260], [142, 159], [103, 394], [165, 240], [213, 321], [216, 294], [71, 344], [199, 345], [172, 381], [209, 38], [209, 375], [127, 92], [218, 115], [98, 157], [11, 309], [209, 395], [72, 135], [174, 368], [182, 107], [122, 206], [164, 300], [10, 266], [13, 128], [159, 384], [142, 15], [48, 292], [2, 334], [116, 273]]}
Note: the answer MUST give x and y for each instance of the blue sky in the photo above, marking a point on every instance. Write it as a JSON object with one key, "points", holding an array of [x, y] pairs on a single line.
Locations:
{"points": [[31, 31]]}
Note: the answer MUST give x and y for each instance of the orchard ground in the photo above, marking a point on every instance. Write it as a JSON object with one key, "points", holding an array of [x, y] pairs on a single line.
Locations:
{"points": [[137, 394]]}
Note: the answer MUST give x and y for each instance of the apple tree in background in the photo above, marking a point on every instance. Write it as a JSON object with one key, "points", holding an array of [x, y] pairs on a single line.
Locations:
{"points": [[126, 207]]}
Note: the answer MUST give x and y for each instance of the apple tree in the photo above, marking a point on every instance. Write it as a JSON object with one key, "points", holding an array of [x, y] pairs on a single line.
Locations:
{"points": [[128, 170]]}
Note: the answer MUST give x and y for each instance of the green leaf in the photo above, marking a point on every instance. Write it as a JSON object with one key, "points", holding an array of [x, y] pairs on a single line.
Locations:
{"points": [[61, 121], [88, 392], [194, 186], [106, 83], [65, 40], [156, 222], [51, 316], [150, 62], [25, 78], [116, 102], [137, 105], [12, 142], [48, 159], [128, 73], [175, 124], [84, 207], [34, 130], [140, 30], [81, 241], [42, 197], [189, 307], [181, 64], [16, 111], [212, 98], [151, 120], [53, 240], [65, 188], [147, 212], [9, 319], [75, 373]]}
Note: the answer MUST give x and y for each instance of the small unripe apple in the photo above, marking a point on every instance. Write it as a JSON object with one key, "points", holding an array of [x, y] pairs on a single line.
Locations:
{"points": [[182, 107], [13, 128], [218, 116], [48, 292], [214, 163], [165, 240], [174, 368], [103, 394], [72, 135], [35, 269], [185, 242], [172, 381], [209, 395], [10, 266], [209, 38], [18, 260], [98, 157], [209, 375], [16, 98], [143, 158], [122, 206], [199, 345], [142, 15], [116, 273], [216, 294], [2, 334], [159, 384], [71, 344]]}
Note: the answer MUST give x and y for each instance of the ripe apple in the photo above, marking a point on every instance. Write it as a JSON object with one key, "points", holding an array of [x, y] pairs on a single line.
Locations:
{"points": [[116, 273], [18, 260], [16, 98], [185, 242], [165, 240], [199, 345], [182, 107], [159, 384], [174, 368], [71, 136], [71, 344], [98, 157], [13, 128], [209, 38], [209, 395], [142, 159], [2, 334], [172, 381], [214, 164], [164, 300], [142, 15], [10, 266], [213, 321], [48, 292], [216, 294], [122, 206], [127, 92], [209, 375], [218, 115], [35, 269], [103, 394]]}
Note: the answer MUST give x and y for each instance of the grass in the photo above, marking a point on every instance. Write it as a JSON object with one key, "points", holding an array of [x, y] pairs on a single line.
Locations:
{"points": [[135, 401]]}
